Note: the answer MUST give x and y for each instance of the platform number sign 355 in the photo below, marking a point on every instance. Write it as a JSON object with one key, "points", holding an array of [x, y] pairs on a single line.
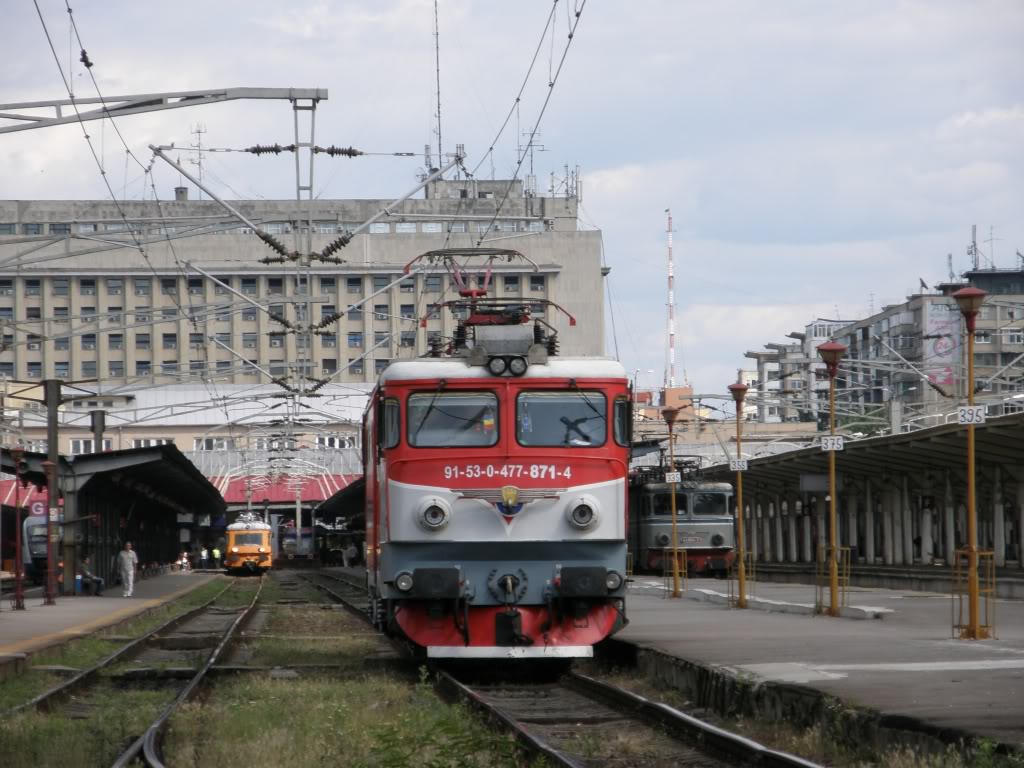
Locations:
{"points": [[829, 444], [738, 465], [970, 414]]}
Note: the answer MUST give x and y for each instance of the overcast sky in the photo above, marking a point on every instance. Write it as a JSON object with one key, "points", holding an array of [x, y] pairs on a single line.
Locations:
{"points": [[817, 157]]}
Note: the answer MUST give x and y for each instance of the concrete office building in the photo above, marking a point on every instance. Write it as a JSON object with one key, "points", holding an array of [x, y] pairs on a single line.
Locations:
{"points": [[88, 294]]}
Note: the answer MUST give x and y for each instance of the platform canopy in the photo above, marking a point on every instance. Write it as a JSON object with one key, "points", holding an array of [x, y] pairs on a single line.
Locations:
{"points": [[312, 489]]}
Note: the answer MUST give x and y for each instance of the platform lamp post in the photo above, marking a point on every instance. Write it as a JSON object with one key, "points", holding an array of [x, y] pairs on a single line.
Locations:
{"points": [[50, 470], [670, 415], [831, 353], [969, 300], [739, 394]]}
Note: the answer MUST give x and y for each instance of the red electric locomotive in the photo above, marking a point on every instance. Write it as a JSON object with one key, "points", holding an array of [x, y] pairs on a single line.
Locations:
{"points": [[496, 476]]}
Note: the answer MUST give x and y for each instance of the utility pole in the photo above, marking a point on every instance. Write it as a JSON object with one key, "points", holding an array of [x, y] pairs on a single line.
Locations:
{"points": [[51, 398]]}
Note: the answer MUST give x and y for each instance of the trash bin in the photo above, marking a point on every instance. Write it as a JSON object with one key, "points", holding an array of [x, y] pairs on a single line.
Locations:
{"points": [[78, 584]]}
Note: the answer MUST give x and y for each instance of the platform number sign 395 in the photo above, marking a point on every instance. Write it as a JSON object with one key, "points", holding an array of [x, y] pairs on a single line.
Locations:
{"points": [[738, 465], [970, 414], [829, 444]]}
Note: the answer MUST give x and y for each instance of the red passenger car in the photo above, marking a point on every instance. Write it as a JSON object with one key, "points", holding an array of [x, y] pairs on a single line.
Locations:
{"points": [[496, 476]]}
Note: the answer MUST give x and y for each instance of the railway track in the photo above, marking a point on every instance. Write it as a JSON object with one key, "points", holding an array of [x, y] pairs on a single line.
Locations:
{"points": [[213, 624], [580, 722]]}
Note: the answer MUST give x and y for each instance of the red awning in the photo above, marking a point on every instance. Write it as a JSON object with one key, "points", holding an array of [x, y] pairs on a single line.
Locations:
{"points": [[315, 488]]}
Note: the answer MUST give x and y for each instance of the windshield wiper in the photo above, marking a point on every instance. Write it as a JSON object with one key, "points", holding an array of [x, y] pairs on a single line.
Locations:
{"points": [[574, 426], [430, 408]]}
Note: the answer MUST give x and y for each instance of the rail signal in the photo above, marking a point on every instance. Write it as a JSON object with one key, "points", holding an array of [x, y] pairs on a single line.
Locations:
{"points": [[829, 444], [970, 414], [738, 465]]}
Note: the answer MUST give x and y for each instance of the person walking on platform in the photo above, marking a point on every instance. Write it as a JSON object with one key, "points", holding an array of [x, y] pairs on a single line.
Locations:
{"points": [[216, 557], [90, 579], [127, 562], [204, 558]]}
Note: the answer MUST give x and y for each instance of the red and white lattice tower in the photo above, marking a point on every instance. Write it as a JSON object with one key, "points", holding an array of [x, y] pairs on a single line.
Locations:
{"points": [[671, 373]]}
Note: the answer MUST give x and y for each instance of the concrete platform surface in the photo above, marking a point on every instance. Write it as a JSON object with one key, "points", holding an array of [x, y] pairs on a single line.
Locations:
{"points": [[40, 626], [907, 664]]}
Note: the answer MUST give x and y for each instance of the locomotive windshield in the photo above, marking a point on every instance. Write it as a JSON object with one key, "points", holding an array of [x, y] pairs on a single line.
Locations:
{"points": [[710, 504], [661, 503], [442, 420], [243, 539], [561, 419]]}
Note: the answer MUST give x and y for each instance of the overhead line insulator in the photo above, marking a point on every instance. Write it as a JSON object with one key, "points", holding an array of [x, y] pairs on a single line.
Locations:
{"points": [[335, 245], [270, 149], [333, 151]]}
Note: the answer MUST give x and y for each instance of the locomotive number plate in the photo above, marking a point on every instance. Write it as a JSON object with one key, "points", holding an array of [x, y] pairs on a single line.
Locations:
{"points": [[507, 471]]}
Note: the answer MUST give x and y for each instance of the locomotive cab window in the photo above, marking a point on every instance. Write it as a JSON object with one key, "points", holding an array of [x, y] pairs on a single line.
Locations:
{"points": [[623, 421], [710, 504], [661, 503], [452, 419], [562, 419], [248, 539], [388, 425]]}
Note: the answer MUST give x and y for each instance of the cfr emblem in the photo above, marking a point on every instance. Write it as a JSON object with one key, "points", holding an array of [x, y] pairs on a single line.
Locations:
{"points": [[509, 505]]}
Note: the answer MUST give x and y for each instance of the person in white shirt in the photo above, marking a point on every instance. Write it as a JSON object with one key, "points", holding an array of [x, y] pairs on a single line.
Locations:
{"points": [[127, 562]]}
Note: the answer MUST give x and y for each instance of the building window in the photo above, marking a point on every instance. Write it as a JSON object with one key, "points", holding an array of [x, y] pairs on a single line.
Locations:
{"points": [[380, 337], [31, 229], [380, 311], [219, 289], [354, 284], [88, 314], [355, 365], [195, 286], [249, 314], [7, 229], [33, 313], [355, 314], [328, 339], [535, 226], [379, 228], [277, 340], [88, 341], [115, 341], [35, 370], [213, 444], [115, 286], [223, 338], [249, 369], [33, 287], [481, 228], [408, 285], [196, 366], [278, 368], [89, 369], [60, 229], [300, 285], [326, 310], [511, 283], [408, 311], [355, 339], [87, 286], [433, 336], [380, 365], [405, 227], [142, 315], [114, 315], [329, 366], [7, 369], [1015, 336], [249, 341], [275, 286], [432, 283], [325, 227], [170, 341], [143, 286], [61, 314], [537, 283], [62, 343], [328, 285], [142, 341], [116, 368], [143, 368], [457, 226], [169, 366], [169, 286], [85, 445], [983, 337], [432, 226], [408, 339], [151, 442]]}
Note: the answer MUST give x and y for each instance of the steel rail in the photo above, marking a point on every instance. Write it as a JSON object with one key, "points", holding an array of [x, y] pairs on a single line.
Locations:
{"points": [[148, 746], [360, 611], [49, 696], [692, 730]]}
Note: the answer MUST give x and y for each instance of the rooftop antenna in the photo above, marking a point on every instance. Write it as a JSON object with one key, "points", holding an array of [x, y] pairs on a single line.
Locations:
{"points": [[972, 249], [871, 303], [437, 68], [991, 245], [949, 265], [197, 161], [671, 373]]}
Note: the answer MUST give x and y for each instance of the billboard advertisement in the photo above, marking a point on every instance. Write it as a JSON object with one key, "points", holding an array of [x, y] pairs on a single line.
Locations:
{"points": [[941, 336]]}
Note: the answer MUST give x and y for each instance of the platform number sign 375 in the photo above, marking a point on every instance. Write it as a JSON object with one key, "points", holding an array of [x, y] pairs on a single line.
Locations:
{"points": [[970, 414]]}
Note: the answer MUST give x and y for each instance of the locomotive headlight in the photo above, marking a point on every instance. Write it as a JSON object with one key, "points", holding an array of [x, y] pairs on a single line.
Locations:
{"points": [[262, 550], [717, 540], [517, 366], [404, 581], [497, 365], [613, 581], [234, 549], [433, 514], [663, 539], [582, 512]]}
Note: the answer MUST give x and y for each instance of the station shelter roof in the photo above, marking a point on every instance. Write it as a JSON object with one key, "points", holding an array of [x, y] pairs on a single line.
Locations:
{"points": [[346, 503], [314, 488]]}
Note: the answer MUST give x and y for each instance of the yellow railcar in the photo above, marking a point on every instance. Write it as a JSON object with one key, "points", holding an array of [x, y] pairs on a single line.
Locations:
{"points": [[248, 547]]}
